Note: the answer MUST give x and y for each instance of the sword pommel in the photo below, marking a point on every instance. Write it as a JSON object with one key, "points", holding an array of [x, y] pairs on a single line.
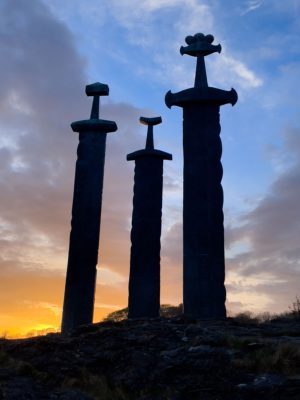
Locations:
{"points": [[200, 45], [150, 121], [97, 89]]}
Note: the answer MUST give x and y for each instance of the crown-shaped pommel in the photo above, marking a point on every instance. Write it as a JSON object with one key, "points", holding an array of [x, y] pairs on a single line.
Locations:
{"points": [[200, 45], [150, 121], [97, 89]]}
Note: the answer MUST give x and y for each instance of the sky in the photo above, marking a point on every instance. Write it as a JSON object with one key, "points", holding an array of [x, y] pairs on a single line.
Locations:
{"points": [[50, 50]]}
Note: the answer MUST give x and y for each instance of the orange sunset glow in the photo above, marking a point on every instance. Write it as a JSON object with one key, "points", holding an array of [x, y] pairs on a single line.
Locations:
{"points": [[50, 50]]}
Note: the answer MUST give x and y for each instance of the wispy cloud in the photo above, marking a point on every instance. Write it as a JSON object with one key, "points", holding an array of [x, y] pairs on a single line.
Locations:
{"points": [[57, 310], [146, 27], [251, 5], [228, 70], [109, 306]]}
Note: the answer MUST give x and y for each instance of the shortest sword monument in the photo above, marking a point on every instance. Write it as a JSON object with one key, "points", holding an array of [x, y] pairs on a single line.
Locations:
{"points": [[204, 292], [144, 280], [86, 212]]}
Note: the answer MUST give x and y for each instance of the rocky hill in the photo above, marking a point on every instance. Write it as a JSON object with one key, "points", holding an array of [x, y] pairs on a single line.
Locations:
{"points": [[166, 358]]}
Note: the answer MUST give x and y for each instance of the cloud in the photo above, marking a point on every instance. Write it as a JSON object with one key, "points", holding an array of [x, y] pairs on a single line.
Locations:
{"points": [[283, 93], [39, 150], [251, 5], [32, 298], [263, 250], [272, 229], [173, 240], [152, 32], [42, 92], [41, 82], [237, 72], [274, 220]]}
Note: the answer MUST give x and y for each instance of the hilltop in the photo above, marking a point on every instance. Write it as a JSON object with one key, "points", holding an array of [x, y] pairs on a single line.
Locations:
{"points": [[165, 358]]}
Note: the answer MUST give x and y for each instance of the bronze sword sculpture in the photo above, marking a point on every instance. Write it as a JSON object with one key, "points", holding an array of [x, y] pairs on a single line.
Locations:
{"points": [[204, 292], [144, 280], [86, 213]]}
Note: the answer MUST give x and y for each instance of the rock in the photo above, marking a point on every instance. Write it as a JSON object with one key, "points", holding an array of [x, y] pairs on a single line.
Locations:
{"points": [[255, 346], [171, 353], [202, 349], [266, 381], [149, 360]]}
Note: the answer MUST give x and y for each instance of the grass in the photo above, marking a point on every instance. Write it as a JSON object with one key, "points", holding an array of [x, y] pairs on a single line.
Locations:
{"points": [[93, 385], [18, 366], [284, 359], [96, 386], [295, 307]]}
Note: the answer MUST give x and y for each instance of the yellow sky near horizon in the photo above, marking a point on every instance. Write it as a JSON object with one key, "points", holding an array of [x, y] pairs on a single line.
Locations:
{"points": [[31, 303]]}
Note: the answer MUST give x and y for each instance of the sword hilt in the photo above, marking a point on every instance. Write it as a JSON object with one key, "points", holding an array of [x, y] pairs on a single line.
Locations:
{"points": [[96, 89], [150, 122]]}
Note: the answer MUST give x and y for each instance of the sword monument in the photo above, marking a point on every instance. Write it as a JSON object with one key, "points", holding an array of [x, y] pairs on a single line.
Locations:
{"points": [[86, 213], [144, 280], [204, 292]]}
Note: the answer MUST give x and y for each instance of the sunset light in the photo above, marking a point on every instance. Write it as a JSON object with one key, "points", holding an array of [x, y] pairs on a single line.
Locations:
{"points": [[50, 50]]}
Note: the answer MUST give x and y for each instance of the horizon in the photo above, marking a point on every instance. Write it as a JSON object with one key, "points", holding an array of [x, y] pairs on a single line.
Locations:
{"points": [[52, 51]]}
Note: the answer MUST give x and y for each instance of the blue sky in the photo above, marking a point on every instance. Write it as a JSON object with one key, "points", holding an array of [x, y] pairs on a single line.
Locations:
{"points": [[134, 46], [52, 49]]}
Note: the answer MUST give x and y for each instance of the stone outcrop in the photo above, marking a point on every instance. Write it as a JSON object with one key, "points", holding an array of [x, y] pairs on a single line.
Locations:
{"points": [[157, 359]]}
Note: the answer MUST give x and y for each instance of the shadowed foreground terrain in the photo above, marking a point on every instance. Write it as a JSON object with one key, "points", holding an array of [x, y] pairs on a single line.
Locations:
{"points": [[165, 358]]}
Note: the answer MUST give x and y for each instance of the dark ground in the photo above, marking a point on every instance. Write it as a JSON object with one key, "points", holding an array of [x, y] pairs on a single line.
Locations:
{"points": [[166, 358]]}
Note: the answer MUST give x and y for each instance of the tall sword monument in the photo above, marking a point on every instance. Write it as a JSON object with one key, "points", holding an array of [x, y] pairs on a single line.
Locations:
{"points": [[204, 292], [86, 212]]}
